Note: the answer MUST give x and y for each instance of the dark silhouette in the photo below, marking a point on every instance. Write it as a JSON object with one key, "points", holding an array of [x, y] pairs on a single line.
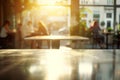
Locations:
{"points": [[7, 36], [97, 34]]}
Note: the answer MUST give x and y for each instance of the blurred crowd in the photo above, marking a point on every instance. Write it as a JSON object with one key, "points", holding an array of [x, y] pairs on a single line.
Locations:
{"points": [[14, 38]]}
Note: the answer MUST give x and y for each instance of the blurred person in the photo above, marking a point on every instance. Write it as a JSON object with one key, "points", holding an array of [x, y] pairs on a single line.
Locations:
{"points": [[39, 30], [7, 35], [42, 30], [19, 35], [27, 30], [30, 28], [97, 35]]}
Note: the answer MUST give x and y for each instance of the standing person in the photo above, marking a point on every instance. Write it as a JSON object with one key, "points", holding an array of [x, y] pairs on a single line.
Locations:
{"points": [[6, 35], [97, 35]]}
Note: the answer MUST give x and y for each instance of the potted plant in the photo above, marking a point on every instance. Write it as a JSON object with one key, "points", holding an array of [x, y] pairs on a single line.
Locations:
{"points": [[109, 29]]}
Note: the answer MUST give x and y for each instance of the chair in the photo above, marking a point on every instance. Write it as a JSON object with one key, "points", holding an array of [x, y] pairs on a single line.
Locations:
{"points": [[116, 41], [97, 42], [4, 43]]}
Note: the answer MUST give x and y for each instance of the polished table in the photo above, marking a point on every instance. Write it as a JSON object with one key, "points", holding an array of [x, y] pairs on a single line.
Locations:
{"points": [[58, 64], [57, 37]]}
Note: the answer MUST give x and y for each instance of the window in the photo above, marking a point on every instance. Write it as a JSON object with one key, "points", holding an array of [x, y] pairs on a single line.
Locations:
{"points": [[109, 15], [119, 18], [109, 2], [84, 2], [96, 15], [108, 24]]}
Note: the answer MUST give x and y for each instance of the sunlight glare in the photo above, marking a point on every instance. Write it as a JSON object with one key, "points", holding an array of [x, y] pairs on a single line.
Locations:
{"points": [[48, 1], [56, 66], [85, 68], [32, 69]]}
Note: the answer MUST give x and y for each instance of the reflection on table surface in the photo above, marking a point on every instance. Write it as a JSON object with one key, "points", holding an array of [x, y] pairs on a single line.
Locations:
{"points": [[56, 64], [56, 37]]}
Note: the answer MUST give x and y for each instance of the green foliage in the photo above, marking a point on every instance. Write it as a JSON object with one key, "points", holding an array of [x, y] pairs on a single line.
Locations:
{"points": [[109, 29], [82, 28], [119, 27]]}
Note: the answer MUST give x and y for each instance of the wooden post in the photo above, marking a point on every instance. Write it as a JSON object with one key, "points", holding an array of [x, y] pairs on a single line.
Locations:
{"points": [[74, 29]]}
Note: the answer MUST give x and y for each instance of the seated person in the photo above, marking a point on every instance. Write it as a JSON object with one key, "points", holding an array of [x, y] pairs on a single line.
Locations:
{"points": [[6, 35], [96, 32], [41, 30]]}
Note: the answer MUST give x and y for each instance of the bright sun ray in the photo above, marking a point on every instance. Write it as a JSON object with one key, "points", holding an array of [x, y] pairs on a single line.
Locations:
{"points": [[48, 1], [56, 66]]}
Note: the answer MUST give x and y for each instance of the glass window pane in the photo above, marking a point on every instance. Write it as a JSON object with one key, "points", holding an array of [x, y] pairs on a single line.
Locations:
{"points": [[53, 1], [109, 2], [118, 19], [53, 19], [97, 2], [101, 14], [96, 15], [108, 15], [118, 2]]}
